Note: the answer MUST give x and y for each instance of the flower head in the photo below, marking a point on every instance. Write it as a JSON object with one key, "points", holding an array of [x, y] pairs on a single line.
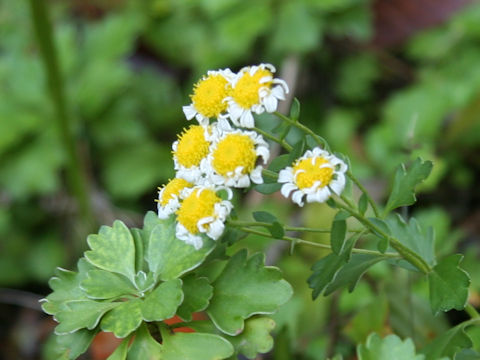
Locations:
{"points": [[188, 151], [209, 94], [168, 196], [254, 89], [315, 175], [233, 156], [202, 211]]}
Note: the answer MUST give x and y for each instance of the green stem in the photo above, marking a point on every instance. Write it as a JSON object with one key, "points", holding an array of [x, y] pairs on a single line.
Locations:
{"points": [[269, 136], [75, 174], [239, 223], [470, 310], [363, 190], [270, 174], [318, 139], [408, 254], [317, 245]]}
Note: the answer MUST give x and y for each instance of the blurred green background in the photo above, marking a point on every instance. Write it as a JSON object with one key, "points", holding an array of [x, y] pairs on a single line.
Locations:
{"points": [[383, 83]]}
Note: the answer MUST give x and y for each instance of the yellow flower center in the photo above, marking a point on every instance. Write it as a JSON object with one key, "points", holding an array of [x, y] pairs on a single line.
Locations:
{"points": [[208, 95], [172, 189], [192, 146], [233, 151], [311, 171], [198, 205], [245, 92]]}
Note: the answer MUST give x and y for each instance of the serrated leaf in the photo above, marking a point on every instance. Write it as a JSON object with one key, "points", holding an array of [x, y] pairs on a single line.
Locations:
{"points": [[448, 343], [390, 347], [414, 237], [194, 346], [197, 294], [351, 272], [403, 189], [363, 204], [163, 243], [338, 231], [246, 287], [162, 303], [101, 284], [268, 189], [144, 346], [76, 343], [324, 271], [124, 319], [255, 338], [120, 352], [448, 285], [81, 314], [113, 249]]}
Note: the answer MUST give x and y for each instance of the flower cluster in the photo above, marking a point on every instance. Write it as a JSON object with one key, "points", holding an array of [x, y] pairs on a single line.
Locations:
{"points": [[223, 151]]}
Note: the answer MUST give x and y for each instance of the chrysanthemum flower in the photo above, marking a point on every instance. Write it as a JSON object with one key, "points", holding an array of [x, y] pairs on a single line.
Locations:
{"points": [[202, 211], [209, 96], [233, 156], [255, 90], [315, 175], [188, 151], [168, 197]]}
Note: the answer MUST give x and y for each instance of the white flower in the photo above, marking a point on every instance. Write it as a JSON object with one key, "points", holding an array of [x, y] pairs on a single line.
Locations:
{"points": [[233, 156], [169, 197], [314, 176], [254, 89], [209, 96], [202, 211]]}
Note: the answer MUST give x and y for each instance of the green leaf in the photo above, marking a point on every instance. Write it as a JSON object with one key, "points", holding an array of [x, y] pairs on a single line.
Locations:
{"points": [[324, 272], [467, 354], [448, 343], [140, 248], [101, 284], [120, 352], [363, 204], [382, 226], [76, 343], [338, 231], [162, 303], [351, 272], [264, 216], [390, 347], [255, 338], [144, 346], [297, 151], [198, 292], [124, 319], [194, 346], [403, 190], [163, 243], [448, 285], [268, 189], [113, 249], [276, 229], [81, 314], [245, 288], [414, 237], [295, 109]]}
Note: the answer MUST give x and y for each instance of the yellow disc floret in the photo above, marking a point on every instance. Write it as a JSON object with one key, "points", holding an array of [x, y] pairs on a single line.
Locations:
{"points": [[245, 93], [209, 94], [309, 171], [172, 189], [192, 146], [233, 151], [198, 205]]}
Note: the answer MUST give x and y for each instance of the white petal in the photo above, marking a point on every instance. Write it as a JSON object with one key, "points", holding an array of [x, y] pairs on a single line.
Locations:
{"points": [[297, 197], [285, 175], [256, 175], [287, 189], [247, 120], [189, 111], [270, 103]]}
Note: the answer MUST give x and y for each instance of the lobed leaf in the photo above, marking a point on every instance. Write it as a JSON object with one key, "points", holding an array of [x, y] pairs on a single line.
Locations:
{"points": [[101, 284], [448, 285], [197, 294], [76, 343], [124, 319], [244, 288], [403, 189], [162, 303], [390, 347], [144, 346]]}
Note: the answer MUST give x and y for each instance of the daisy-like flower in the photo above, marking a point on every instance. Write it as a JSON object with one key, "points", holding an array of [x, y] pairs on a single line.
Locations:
{"points": [[169, 196], [254, 89], [316, 175], [209, 96], [232, 160], [202, 211], [192, 146]]}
